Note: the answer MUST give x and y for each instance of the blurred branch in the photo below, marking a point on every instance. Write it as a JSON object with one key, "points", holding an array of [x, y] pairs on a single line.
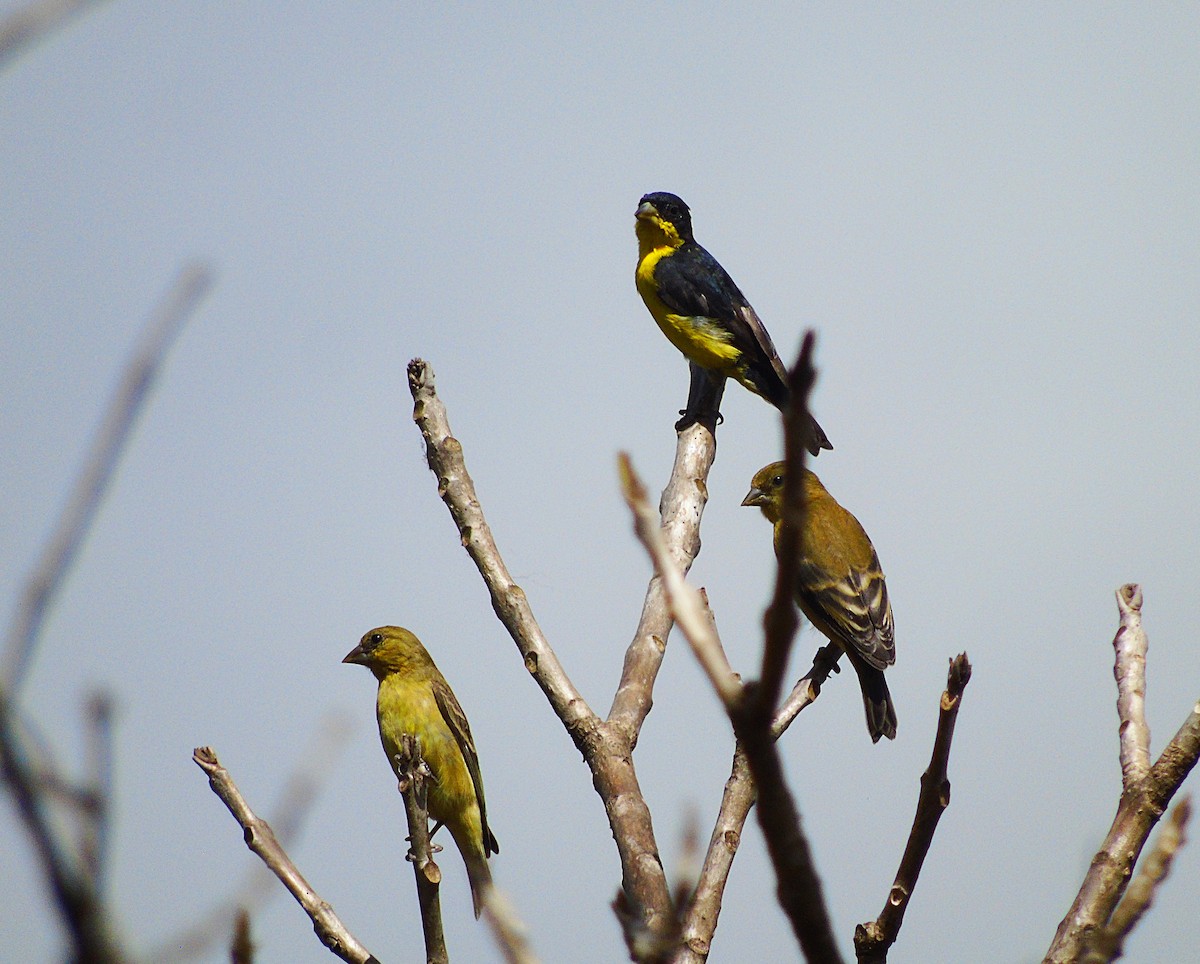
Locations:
{"points": [[680, 509], [509, 932], [75, 873], [700, 922], [83, 911], [95, 842], [1141, 805], [262, 841], [414, 776], [1109, 942], [873, 939], [751, 708], [607, 749], [33, 22], [684, 604], [293, 807], [241, 948], [47, 577], [798, 886]]}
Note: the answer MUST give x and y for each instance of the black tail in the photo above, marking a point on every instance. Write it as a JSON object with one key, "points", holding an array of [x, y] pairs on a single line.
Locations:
{"points": [[877, 701]]}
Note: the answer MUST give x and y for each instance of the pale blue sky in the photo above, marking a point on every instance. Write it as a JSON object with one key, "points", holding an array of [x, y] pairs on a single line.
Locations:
{"points": [[988, 214]]}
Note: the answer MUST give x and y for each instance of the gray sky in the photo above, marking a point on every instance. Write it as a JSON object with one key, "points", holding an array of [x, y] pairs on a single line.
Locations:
{"points": [[983, 212]]}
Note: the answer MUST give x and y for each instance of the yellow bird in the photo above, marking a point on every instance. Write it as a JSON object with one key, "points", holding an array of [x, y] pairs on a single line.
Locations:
{"points": [[415, 698], [701, 311], [839, 586]]}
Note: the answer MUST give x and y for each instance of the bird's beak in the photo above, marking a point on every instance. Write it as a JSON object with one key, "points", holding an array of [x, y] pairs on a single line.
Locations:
{"points": [[646, 211], [356, 655], [754, 497]]}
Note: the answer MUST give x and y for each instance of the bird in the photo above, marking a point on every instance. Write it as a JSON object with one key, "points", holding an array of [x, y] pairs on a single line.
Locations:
{"points": [[701, 311], [414, 698], [839, 586]]}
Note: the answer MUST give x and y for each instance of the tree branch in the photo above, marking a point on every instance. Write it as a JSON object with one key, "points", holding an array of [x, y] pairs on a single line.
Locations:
{"points": [[292, 808], [700, 923], [679, 512], [52, 568], [262, 841], [1109, 943], [607, 749], [32, 22], [873, 939], [1129, 669], [414, 774], [1141, 806]]}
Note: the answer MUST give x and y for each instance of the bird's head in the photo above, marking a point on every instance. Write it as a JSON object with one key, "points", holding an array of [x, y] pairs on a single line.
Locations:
{"points": [[388, 649], [665, 214], [766, 489]]}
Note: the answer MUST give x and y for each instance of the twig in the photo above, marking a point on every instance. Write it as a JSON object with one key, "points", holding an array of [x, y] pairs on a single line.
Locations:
{"points": [[414, 776], [1109, 943], [798, 886], [47, 577], [873, 939], [700, 924], [94, 846], [607, 749], [262, 841], [680, 510], [1129, 669], [34, 22], [684, 602], [82, 909], [509, 931], [293, 806], [241, 948], [1140, 808]]}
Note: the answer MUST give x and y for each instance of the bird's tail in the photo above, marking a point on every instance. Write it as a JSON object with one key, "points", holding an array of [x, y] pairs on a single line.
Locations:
{"points": [[877, 701], [480, 875]]}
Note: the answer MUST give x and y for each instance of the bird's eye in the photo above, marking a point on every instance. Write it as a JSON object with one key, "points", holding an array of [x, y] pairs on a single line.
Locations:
{"points": [[778, 480], [376, 638]]}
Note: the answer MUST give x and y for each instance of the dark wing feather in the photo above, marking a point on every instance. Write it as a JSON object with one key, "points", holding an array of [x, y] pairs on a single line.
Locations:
{"points": [[854, 608], [456, 719]]}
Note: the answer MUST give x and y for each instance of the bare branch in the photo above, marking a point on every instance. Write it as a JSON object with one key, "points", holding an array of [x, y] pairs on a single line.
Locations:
{"points": [[680, 509], [241, 948], [607, 749], [262, 841], [81, 906], [1141, 806], [33, 22], [445, 456], [414, 776], [1129, 669], [94, 846], [684, 602], [511, 935], [780, 621], [294, 805], [52, 568], [700, 922], [873, 939], [1110, 942], [799, 888]]}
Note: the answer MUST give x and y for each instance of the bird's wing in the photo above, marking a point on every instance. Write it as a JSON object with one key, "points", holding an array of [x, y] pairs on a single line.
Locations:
{"points": [[855, 606], [456, 719]]}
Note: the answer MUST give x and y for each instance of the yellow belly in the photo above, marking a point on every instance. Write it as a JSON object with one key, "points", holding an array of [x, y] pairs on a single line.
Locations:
{"points": [[409, 707], [702, 340]]}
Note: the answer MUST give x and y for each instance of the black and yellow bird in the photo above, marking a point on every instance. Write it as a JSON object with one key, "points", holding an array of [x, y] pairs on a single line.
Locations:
{"points": [[701, 311], [839, 586], [414, 698]]}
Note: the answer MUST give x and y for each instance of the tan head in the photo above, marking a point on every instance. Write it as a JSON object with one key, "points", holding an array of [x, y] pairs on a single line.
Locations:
{"points": [[389, 649]]}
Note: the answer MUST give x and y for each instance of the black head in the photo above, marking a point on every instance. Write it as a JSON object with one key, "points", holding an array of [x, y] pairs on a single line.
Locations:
{"points": [[670, 208]]}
